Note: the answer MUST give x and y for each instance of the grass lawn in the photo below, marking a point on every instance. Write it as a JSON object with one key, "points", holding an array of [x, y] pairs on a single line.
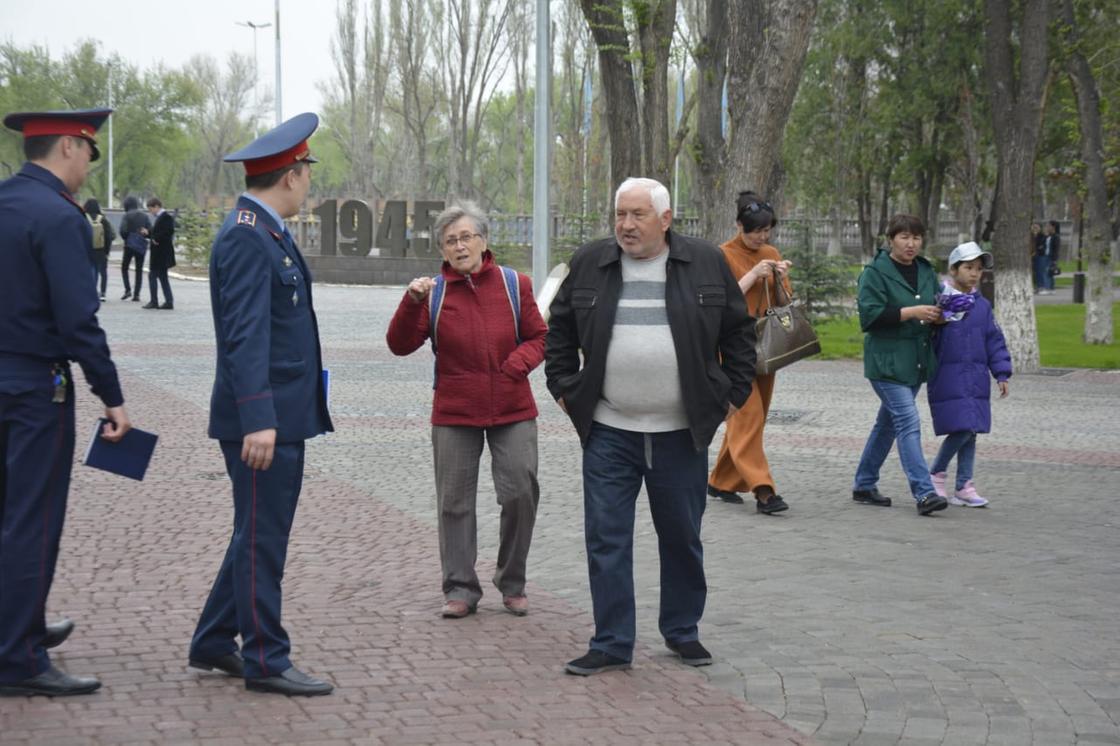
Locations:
{"points": [[1059, 337]]}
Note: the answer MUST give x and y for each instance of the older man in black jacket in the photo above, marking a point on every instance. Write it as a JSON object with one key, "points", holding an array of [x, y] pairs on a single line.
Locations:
{"points": [[668, 352]]}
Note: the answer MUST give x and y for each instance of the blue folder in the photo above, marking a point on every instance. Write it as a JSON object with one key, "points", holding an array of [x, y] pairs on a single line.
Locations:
{"points": [[128, 457]]}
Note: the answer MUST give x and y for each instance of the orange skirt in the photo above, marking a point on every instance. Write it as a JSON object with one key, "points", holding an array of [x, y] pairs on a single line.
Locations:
{"points": [[741, 465]]}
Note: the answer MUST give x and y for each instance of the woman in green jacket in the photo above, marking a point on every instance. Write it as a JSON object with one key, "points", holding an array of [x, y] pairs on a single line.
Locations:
{"points": [[897, 308]]}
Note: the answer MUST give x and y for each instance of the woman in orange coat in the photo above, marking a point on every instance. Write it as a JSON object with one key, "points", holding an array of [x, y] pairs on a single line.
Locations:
{"points": [[742, 464]]}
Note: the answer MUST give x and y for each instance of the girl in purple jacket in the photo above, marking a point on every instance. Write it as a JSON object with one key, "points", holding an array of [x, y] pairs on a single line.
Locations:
{"points": [[968, 346]]}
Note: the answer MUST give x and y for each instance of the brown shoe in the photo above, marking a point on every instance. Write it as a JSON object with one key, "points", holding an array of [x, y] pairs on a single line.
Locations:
{"points": [[516, 605], [456, 610]]}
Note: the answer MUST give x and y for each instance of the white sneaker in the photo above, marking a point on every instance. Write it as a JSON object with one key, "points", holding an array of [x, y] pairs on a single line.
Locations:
{"points": [[967, 497], [938, 479]]}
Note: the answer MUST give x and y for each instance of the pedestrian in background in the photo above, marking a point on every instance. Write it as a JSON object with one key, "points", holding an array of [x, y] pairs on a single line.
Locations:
{"points": [[897, 308], [162, 254], [1050, 256], [490, 336], [742, 465], [103, 236], [48, 317], [135, 227], [649, 349], [969, 347]]}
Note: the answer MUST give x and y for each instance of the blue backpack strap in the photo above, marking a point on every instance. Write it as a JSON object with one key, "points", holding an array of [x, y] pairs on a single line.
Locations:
{"points": [[435, 303], [513, 293]]}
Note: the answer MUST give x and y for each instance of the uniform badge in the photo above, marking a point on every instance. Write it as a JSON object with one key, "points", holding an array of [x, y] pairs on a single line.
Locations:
{"points": [[246, 217], [287, 261]]}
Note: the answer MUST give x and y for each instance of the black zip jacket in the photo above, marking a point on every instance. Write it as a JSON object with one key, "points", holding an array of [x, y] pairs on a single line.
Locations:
{"points": [[712, 332]]}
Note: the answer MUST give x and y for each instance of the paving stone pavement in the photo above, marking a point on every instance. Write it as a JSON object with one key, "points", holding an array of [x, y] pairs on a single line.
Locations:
{"points": [[832, 623]]}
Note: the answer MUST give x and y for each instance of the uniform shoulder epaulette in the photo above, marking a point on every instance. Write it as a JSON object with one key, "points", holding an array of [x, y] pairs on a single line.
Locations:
{"points": [[246, 217]]}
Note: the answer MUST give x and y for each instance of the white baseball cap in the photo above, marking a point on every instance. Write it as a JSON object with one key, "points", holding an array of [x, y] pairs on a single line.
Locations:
{"points": [[966, 252]]}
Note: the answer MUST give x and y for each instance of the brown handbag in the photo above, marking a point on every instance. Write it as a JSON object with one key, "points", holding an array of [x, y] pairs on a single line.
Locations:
{"points": [[784, 332]]}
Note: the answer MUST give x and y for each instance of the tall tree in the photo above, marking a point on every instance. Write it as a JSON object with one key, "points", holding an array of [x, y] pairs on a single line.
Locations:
{"points": [[766, 43], [1098, 233], [474, 58], [354, 99], [1016, 86], [606, 20]]}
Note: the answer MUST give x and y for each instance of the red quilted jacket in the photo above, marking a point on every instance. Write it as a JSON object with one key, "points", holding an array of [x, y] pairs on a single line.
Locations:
{"points": [[482, 374]]}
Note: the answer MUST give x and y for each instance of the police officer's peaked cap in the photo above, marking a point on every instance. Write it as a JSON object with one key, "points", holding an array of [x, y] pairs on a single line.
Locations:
{"points": [[282, 146], [82, 123]]}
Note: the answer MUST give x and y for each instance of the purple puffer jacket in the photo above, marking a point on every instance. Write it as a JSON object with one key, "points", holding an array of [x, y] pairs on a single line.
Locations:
{"points": [[960, 392]]}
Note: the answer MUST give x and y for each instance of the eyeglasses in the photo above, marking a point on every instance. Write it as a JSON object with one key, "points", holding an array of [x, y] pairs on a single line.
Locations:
{"points": [[452, 241]]}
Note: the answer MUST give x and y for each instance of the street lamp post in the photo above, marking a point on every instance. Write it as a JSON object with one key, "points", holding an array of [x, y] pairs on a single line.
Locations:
{"points": [[279, 109], [256, 71]]}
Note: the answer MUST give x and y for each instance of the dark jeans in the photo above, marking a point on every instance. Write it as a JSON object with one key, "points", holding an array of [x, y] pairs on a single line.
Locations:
{"points": [[130, 256], [159, 275], [100, 262], [615, 463], [1043, 280]]}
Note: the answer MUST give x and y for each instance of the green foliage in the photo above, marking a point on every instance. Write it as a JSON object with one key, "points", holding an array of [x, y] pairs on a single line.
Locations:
{"points": [[825, 284], [194, 234]]}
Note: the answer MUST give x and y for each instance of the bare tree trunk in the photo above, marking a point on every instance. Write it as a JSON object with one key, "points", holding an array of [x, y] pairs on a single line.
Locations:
{"points": [[766, 56], [656, 21], [710, 147], [1016, 105], [605, 18], [1098, 234]]}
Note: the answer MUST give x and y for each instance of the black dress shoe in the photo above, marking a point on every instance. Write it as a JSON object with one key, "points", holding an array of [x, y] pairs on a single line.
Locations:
{"points": [[230, 663], [774, 504], [57, 633], [50, 683], [293, 682], [691, 653], [149, 304], [931, 503], [169, 306], [136, 297], [871, 497], [127, 295], [728, 497]]}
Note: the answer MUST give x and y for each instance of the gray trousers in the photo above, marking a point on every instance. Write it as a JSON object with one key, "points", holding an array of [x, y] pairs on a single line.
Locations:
{"points": [[513, 453]]}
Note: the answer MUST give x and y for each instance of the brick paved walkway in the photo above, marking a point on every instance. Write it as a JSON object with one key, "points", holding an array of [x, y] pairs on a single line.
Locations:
{"points": [[832, 623]]}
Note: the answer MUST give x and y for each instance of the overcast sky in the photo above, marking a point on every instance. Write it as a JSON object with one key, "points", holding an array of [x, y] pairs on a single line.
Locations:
{"points": [[146, 33]]}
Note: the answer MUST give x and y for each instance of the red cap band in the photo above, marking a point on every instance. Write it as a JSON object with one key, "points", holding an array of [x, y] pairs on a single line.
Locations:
{"points": [[259, 166], [51, 126]]}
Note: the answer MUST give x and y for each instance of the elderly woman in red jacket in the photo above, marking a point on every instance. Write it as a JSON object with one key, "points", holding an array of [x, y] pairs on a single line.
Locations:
{"points": [[488, 335]]}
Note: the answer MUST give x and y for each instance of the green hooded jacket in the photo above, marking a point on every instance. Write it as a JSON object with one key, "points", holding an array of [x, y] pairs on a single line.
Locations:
{"points": [[901, 353]]}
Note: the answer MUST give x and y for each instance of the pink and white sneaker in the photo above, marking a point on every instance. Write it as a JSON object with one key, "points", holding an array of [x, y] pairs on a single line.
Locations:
{"points": [[938, 479], [967, 497]]}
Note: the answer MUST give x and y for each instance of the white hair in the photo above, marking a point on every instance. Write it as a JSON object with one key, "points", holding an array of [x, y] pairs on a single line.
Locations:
{"points": [[658, 194]]}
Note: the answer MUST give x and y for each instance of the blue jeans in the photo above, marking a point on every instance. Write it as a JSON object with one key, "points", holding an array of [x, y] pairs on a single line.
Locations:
{"points": [[1043, 280], [963, 446], [897, 420], [615, 463]]}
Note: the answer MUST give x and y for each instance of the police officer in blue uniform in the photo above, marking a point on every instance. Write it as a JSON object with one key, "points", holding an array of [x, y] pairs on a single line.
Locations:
{"points": [[268, 398], [47, 319]]}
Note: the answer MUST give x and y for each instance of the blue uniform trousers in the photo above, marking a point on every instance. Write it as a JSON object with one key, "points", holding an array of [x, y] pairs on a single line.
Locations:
{"points": [[246, 597], [615, 463], [36, 452]]}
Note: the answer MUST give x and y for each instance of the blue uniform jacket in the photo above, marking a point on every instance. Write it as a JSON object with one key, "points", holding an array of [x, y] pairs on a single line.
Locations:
{"points": [[269, 364], [48, 304]]}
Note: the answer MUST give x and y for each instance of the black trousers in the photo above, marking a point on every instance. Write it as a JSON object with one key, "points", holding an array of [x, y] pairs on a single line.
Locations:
{"points": [[36, 451], [129, 257], [159, 274]]}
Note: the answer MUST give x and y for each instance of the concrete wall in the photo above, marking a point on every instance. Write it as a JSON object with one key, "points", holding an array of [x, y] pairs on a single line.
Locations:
{"points": [[365, 270]]}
